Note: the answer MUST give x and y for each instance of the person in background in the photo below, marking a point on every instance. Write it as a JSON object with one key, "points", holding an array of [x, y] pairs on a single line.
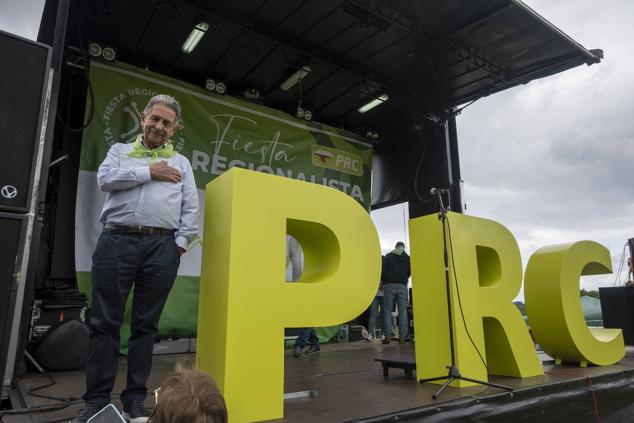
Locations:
{"points": [[395, 274], [294, 269], [377, 303], [188, 396]]}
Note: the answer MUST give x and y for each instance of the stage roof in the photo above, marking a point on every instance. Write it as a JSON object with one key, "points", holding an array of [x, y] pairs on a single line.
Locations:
{"points": [[429, 57]]}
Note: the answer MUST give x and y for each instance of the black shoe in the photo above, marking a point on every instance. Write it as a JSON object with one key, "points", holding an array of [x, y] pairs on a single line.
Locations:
{"points": [[313, 349], [88, 411], [386, 340], [297, 351], [135, 412]]}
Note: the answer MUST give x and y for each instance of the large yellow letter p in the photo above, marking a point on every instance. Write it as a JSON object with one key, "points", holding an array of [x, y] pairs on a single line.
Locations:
{"points": [[245, 303]]}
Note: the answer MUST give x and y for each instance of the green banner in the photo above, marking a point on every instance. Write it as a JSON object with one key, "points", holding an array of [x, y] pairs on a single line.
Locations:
{"points": [[221, 132]]}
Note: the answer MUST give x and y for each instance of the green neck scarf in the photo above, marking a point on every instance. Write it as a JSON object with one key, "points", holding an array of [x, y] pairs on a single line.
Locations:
{"points": [[139, 150]]}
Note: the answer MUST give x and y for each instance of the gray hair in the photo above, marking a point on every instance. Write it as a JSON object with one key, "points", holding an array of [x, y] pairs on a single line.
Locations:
{"points": [[168, 100]]}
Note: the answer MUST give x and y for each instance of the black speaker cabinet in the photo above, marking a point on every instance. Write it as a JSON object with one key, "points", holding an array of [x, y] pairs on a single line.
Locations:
{"points": [[24, 77], [617, 307], [12, 234], [65, 347]]}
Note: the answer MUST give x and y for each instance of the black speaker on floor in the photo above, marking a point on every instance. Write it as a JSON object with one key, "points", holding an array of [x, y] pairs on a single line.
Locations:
{"points": [[12, 233], [65, 347], [617, 307], [24, 76]]}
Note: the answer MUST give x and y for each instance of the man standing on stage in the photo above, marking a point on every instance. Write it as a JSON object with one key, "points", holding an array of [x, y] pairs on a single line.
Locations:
{"points": [[150, 217], [395, 274]]}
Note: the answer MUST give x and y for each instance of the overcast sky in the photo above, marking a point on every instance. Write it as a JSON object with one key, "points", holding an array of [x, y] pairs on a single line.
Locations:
{"points": [[553, 160], [559, 154]]}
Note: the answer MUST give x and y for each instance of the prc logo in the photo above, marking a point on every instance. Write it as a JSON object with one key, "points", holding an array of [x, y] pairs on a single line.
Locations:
{"points": [[9, 191], [338, 160], [323, 155]]}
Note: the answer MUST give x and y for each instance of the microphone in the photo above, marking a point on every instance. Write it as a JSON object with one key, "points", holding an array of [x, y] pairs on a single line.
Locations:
{"points": [[436, 191]]}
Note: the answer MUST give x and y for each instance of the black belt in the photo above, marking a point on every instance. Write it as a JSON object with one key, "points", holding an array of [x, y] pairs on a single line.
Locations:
{"points": [[140, 230]]}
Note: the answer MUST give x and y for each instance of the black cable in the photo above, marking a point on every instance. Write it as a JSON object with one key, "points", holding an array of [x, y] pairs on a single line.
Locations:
{"points": [[443, 128], [91, 111], [479, 394], [449, 199], [65, 401], [52, 397], [420, 162], [464, 323], [38, 409], [433, 72]]}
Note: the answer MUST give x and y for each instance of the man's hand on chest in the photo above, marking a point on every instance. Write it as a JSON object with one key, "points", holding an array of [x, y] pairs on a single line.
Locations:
{"points": [[161, 171]]}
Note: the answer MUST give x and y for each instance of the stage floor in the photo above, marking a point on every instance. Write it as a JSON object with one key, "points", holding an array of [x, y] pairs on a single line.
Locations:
{"points": [[350, 386]]}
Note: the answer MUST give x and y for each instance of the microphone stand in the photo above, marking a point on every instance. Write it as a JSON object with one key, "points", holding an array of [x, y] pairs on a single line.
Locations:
{"points": [[454, 373]]}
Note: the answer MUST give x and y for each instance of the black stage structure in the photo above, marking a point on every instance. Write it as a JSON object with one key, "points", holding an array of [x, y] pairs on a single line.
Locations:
{"points": [[432, 59]]}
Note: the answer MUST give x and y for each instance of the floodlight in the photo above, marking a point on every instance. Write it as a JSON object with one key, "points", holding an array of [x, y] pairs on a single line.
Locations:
{"points": [[295, 78], [221, 88], [372, 104], [194, 37], [210, 84], [94, 49], [109, 54]]}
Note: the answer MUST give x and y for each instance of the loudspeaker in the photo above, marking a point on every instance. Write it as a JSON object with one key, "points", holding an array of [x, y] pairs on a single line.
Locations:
{"points": [[46, 313], [617, 307], [12, 234], [65, 347], [24, 79]]}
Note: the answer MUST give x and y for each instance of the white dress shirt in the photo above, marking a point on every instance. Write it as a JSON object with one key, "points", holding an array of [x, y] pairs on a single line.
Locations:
{"points": [[133, 198]]}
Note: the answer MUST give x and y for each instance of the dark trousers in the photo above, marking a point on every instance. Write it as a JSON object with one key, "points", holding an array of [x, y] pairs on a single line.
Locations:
{"points": [[121, 261], [307, 336]]}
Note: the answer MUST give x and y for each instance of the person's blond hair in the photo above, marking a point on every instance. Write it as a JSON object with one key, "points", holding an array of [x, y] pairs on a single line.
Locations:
{"points": [[189, 396]]}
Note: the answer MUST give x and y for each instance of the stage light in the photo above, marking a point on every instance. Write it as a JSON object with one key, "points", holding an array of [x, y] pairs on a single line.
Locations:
{"points": [[194, 37], [210, 84], [221, 88], [308, 115], [94, 49], [372, 104], [300, 112], [109, 54], [295, 78], [215, 85], [251, 94], [106, 53], [369, 133]]}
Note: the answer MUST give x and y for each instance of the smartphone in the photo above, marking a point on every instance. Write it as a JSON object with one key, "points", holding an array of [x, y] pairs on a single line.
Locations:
{"points": [[108, 414]]}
